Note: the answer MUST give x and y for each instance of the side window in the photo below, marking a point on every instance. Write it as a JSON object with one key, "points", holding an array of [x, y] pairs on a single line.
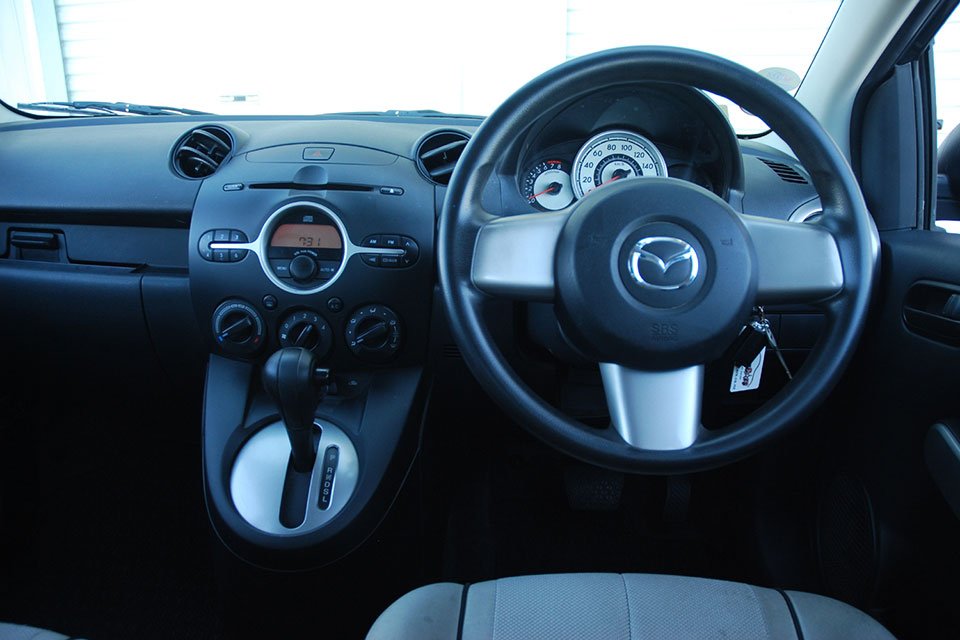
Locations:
{"points": [[946, 66], [946, 62]]}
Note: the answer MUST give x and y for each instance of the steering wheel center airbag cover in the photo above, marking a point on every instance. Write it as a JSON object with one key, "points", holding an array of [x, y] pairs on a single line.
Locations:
{"points": [[654, 273]]}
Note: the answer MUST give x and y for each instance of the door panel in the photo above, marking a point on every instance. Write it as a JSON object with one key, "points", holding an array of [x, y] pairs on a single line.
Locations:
{"points": [[904, 379]]}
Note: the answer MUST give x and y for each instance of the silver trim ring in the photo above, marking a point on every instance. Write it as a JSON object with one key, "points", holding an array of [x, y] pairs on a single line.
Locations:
{"points": [[260, 247], [259, 470], [683, 252], [806, 211], [655, 154]]}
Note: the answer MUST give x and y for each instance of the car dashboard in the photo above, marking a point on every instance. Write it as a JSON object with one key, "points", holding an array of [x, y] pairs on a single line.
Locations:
{"points": [[195, 247]]}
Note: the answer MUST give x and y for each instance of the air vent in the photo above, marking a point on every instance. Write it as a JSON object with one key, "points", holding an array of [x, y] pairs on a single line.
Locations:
{"points": [[437, 155], [451, 351], [200, 152], [786, 172]]}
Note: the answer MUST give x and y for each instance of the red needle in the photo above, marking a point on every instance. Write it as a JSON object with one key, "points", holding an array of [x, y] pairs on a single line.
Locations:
{"points": [[616, 177], [552, 187], [619, 173]]}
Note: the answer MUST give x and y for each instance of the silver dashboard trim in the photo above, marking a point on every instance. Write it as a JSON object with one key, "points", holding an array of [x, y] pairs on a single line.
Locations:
{"points": [[807, 210], [256, 480]]}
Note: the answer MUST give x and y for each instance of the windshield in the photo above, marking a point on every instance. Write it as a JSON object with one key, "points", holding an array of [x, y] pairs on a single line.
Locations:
{"points": [[308, 57]]}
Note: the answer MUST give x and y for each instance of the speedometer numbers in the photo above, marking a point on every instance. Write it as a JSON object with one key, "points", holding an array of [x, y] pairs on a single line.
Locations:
{"points": [[547, 185], [614, 155], [606, 157]]}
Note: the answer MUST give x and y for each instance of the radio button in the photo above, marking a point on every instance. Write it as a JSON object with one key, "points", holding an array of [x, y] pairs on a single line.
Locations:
{"points": [[411, 251], [281, 268], [205, 252], [389, 261], [326, 269]]}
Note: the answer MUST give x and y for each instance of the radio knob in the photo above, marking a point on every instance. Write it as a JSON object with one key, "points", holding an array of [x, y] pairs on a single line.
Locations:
{"points": [[303, 268]]}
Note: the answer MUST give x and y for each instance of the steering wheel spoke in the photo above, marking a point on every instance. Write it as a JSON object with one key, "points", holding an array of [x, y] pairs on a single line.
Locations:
{"points": [[654, 410], [797, 263], [514, 256]]}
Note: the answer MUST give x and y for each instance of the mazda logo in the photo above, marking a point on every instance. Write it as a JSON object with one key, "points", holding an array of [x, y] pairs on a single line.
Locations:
{"points": [[663, 263]]}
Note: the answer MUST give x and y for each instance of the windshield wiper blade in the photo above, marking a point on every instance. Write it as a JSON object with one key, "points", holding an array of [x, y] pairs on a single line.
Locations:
{"points": [[93, 107]]}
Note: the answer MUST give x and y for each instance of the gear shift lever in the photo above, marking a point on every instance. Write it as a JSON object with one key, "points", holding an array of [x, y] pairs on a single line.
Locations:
{"points": [[290, 376]]}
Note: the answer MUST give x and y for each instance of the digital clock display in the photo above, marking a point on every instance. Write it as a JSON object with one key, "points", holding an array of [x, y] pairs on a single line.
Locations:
{"points": [[307, 236]]}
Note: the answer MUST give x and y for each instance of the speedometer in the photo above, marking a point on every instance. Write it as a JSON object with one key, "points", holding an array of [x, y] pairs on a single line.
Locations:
{"points": [[614, 155]]}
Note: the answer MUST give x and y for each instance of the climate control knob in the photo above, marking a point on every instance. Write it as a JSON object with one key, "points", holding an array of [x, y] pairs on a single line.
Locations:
{"points": [[373, 333], [237, 327], [306, 329]]}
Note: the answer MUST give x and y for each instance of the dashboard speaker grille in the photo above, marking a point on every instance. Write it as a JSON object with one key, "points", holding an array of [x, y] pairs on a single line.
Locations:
{"points": [[786, 172], [201, 151], [438, 153]]}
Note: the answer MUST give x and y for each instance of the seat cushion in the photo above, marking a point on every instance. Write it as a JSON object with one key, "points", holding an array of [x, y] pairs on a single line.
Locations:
{"points": [[10, 631], [610, 606]]}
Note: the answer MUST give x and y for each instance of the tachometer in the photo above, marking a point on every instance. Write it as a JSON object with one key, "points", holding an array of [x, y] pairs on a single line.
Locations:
{"points": [[547, 185], [614, 155]]}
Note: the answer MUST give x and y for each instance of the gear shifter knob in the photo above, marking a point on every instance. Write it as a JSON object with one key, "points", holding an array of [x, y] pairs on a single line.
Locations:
{"points": [[289, 377]]}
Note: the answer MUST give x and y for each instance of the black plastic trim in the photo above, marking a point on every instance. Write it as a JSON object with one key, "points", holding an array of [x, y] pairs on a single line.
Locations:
{"points": [[463, 610], [385, 426], [941, 450], [793, 613], [891, 174], [907, 45]]}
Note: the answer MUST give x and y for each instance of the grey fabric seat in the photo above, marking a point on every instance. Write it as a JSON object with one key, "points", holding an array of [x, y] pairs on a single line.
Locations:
{"points": [[609, 606], [10, 631]]}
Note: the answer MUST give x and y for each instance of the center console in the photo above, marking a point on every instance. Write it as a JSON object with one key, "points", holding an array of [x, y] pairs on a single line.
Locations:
{"points": [[335, 259]]}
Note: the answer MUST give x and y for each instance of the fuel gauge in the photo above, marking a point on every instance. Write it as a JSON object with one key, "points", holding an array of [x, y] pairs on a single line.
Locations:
{"points": [[547, 185]]}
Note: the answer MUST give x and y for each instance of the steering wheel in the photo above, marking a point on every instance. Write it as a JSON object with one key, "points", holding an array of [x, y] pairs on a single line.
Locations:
{"points": [[653, 278]]}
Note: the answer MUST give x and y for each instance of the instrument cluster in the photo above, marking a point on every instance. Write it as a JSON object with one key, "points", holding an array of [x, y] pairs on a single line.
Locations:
{"points": [[635, 131]]}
